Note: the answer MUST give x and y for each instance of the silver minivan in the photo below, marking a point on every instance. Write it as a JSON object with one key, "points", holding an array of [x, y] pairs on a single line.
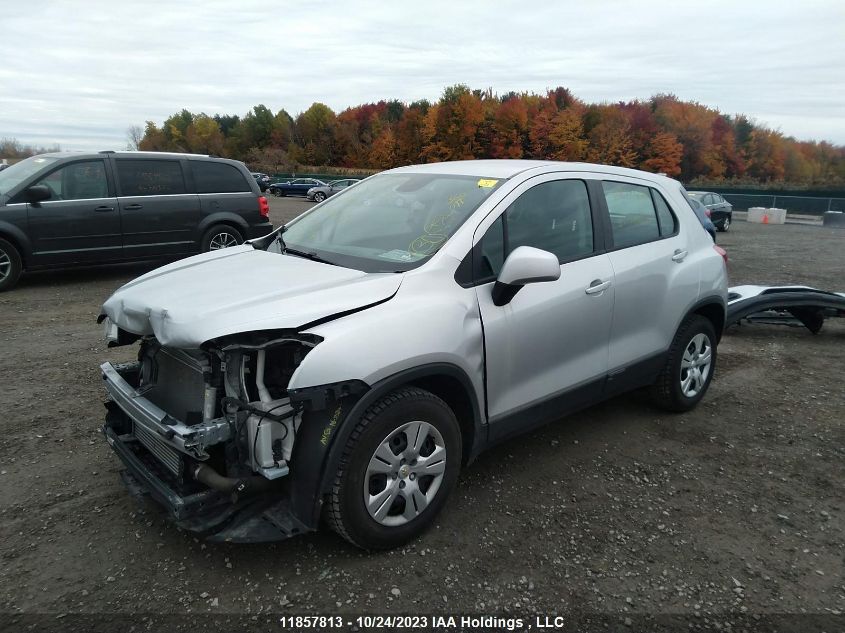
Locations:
{"points": [[346, 367]]}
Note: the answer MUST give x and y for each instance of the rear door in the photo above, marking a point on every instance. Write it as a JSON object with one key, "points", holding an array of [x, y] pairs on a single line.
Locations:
{"points": [[80, 223], [654, 281], [159, 212]]}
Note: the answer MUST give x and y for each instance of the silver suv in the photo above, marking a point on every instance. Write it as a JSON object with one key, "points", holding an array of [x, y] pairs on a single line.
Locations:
{"points": [[349, 364]]}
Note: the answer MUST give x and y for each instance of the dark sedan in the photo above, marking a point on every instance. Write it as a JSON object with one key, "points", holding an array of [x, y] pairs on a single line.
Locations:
{"points": [[721, 211], [321, 193], [296, 187]]}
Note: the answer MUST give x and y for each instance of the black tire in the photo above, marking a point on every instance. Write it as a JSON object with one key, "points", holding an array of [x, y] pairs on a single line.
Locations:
{"points": [[725, 225], [11, 265], [346, 511], [667, 392], [319, 196], [215, 235]]}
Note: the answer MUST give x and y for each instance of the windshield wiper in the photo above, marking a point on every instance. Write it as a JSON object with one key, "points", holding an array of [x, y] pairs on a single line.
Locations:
{"points": [[308, 255]]}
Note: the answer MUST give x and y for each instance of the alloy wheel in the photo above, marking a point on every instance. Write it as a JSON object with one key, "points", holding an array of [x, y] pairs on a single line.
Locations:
{"points": [[222, 240], [5, 265]]}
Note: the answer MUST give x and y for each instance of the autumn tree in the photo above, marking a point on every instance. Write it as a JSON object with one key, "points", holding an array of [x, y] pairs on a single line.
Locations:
{"points": [[203, 136], [609, 137], [451, 125], [315, 135], [664, 154], [663, 134]]}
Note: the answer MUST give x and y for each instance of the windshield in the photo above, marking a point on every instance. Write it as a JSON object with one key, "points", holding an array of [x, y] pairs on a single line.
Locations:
{"points": [[12, 176], [390, 222]]}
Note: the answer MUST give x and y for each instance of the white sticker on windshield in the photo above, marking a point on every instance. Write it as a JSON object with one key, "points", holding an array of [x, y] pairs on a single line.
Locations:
{"points": [[398, 255]]}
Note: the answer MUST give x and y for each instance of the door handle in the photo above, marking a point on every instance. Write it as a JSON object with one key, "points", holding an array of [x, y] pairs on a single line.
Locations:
{"points": [[597, 286], [133, 207], [679, 255], [103, 209]]}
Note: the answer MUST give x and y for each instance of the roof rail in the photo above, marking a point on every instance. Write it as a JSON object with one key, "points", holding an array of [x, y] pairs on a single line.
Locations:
{"points": [[107, 151]]}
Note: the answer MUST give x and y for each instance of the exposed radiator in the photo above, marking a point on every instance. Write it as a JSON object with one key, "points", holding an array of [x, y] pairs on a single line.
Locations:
{"points": [[179, 386], [168, 456]]}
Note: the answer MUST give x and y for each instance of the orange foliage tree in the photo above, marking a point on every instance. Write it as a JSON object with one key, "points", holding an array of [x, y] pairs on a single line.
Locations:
{"points": [[663, 134]]}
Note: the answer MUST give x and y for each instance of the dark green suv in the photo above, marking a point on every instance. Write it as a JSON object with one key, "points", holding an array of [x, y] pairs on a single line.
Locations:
{"points": [[69, 208]]}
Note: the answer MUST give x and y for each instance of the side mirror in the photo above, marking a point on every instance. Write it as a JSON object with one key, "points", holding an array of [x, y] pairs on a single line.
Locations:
{"points": [[37, 193], [525, 265]]}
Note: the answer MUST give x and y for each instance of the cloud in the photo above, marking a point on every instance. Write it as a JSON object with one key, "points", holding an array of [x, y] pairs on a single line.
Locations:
{"points": [[80, 73]]}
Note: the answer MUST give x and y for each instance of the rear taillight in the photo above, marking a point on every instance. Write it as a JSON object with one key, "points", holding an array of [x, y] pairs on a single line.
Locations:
{"points": [[707, 212], [264, 207], [721, 252]]}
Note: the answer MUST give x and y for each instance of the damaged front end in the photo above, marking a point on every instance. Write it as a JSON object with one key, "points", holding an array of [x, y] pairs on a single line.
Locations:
{"points": [[212, 434]]}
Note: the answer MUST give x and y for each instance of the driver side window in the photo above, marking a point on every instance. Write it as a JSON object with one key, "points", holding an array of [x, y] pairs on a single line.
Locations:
{"points": [[553, 216], [78, 181]]}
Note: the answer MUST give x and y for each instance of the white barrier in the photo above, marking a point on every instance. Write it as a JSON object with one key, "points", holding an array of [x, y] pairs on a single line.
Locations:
{"points": [[762, 215]]}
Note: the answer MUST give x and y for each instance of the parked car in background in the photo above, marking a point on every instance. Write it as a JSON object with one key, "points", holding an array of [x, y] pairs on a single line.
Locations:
{"points": [[4, 166], [703, 215], [296, 187], [721, 211], [263, 180], [322, 192], [338, 368], [68, 208]]}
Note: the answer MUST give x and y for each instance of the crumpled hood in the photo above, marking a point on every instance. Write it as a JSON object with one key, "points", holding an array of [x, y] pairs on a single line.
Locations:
{"points": [[240, 289]]}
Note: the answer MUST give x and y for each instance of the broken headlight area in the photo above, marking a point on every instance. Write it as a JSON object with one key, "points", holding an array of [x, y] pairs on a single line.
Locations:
{"points": [[219, 418]]}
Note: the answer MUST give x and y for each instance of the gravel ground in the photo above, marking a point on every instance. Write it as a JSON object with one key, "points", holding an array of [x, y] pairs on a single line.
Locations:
{"points": [[732, 510]]}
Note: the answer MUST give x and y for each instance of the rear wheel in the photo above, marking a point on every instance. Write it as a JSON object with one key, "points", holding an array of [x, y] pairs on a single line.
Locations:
{"points": [[689, 366], [11, 265], [398, 467], [726, 224], [319, 196], [221, 236]]}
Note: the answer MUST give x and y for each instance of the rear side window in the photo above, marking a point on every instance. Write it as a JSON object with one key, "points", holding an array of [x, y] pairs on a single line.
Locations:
{"points": [[218, 177], [150, 177], [633, 218]]}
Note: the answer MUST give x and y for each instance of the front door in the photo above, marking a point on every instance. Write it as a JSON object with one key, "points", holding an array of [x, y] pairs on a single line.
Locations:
{"points": [[80, 223], [546, 351]]}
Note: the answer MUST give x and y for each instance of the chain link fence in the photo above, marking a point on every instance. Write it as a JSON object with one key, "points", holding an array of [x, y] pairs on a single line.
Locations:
{"points": [[808, 205]]}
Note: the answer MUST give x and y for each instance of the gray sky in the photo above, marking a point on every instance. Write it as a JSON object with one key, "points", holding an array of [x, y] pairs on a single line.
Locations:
{"points": [[79, 73]]}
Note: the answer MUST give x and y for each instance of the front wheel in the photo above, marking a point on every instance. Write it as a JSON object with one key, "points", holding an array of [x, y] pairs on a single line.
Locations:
{"points": [[399, 466], [689, 366], [221, 236], [11, 265]]}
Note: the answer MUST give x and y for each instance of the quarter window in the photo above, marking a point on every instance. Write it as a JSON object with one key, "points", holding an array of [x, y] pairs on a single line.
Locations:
{"points": [[78, 181], [218, 177], [668, 223], [150, 177], [633, 219]]}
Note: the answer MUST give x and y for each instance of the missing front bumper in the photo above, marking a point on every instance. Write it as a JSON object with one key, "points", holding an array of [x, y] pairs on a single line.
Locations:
{"points": [[203, 511]]}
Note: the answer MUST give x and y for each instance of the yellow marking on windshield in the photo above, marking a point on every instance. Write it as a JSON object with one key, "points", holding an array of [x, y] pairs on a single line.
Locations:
{"points": [[486, 183]]}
